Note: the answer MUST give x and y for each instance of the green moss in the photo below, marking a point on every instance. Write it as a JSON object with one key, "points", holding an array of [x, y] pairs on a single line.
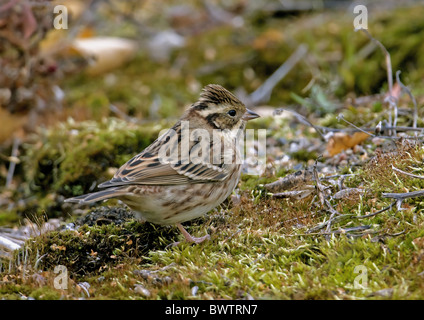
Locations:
{"points": [[9, 217], [46, 293], [304, 155], [380, 176], [262, 260], [98, 247]]}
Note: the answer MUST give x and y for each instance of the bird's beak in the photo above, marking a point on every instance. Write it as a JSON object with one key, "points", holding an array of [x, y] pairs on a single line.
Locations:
{"points": [[249, 115]]}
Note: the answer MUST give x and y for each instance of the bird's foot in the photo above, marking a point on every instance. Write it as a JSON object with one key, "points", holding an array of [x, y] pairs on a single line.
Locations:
{"points": [[188, 237]]}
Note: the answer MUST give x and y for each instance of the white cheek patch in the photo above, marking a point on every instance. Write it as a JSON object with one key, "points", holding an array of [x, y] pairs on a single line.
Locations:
{"points": [[205, 112]]}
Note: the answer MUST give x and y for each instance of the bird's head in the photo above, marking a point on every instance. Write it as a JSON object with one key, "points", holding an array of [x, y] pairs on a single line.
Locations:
{"points": [[221, 109]]}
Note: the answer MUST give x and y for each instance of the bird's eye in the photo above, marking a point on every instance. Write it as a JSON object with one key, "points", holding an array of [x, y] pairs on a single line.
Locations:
{"points": [[232, 113]]}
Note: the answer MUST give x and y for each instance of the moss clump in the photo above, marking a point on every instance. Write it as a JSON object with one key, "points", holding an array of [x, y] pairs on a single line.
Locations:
{"points": [[101, 245], [304, 155], [45, 293], [8, 217], [380, 176]]}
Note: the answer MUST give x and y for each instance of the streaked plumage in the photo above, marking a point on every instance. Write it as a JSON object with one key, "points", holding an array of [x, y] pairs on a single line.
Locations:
{"points": [[171, 192]]}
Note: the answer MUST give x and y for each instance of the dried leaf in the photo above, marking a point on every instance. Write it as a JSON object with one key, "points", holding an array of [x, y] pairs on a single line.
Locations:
{"points": [[341, 141]]}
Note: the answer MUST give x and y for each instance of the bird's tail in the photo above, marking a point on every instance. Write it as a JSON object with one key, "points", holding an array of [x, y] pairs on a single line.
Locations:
{"points": [[97, 196]]}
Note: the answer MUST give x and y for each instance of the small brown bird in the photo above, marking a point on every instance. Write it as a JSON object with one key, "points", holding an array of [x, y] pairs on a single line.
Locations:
{"points": [[187, 171]]}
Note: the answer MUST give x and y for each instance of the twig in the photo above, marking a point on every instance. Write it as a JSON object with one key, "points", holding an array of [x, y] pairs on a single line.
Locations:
{"points": [[398, 128], [390, 99], [334, 212], [333, 220], [355, 128], [407, 173], [403, 196], [388, 59], [382, 137], [341, 117], [337, 176], [294, 180], [399, 197], [320, 188], [331, 209], [405, 88], [340, 217], [383, 236], [377, 212], [12, 165], [232, 235], [294, 194], [301, 119], [263, 93], [341, 230]]}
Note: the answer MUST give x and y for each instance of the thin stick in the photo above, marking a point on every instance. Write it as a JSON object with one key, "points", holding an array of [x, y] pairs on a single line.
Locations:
{"points": [[377, 212], [355, 128], [403, 196], [388, 59], [407, 173], [12, 165], [405, 88], [300, 118], [398, 128], [391, 99], [372, 135], [341, 230], [325, 223], [341, 117], [263, 93], [319, 187], [337, 176], [334, 212]]}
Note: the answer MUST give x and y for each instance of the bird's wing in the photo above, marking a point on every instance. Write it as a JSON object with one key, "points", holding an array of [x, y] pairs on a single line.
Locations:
{"points": [[150, 168]]}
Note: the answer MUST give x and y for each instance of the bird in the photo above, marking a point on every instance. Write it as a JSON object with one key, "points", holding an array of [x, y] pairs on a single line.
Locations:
{"points": [[188, 170]]}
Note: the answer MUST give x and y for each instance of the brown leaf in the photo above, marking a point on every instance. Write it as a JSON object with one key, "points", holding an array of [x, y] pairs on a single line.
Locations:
{"points": [[341, 141]]}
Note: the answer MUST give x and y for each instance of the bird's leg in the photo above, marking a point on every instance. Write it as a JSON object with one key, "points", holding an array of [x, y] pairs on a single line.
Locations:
{"points": [[189, 237]]}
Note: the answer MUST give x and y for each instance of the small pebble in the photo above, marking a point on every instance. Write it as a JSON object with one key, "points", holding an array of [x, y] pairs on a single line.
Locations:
{"points": [[167, 280], [194, 290], [138, 288], [145, 274]]}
